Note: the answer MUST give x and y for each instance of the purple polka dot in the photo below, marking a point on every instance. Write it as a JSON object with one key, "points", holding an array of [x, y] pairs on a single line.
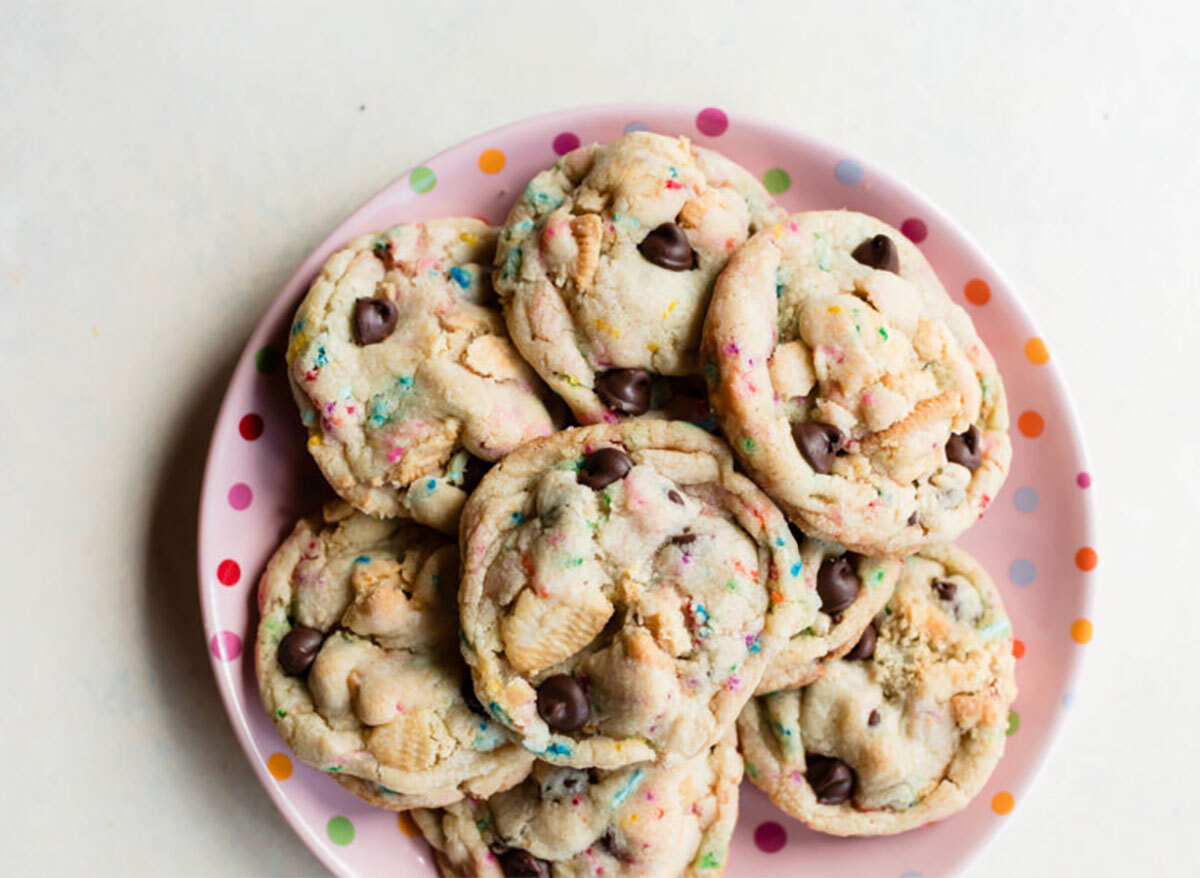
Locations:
{"points": [[914, 229], [770, 837], [240, 496], [1068, 699], [848, 172], [636, 126], [1025, 499], [225, 645], [1022, 572], [565, 142], [912, 875], [712, 123], [1083, 480]]}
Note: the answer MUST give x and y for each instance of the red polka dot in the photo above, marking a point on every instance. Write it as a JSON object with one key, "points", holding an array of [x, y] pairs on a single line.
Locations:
{"points": [[712, 122], [1083, 480], [1018, 648], [228, 572], [565, 142], [240, 496], [1031, 424], [770, 837], [251, 427], [914, 229], [977, 291], [225, 645]]}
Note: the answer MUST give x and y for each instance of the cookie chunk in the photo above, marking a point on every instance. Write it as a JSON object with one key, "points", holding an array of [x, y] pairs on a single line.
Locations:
{"points": [[623, 589], [638, 820], [907, 736], [851, 589], [852, 389], [606, 265], [358, 663], [404, 373]]}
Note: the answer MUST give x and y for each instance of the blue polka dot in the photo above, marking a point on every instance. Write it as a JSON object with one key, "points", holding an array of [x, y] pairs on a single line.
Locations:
{"points": [[1022, 572], [1026, 499], [635, 126], [1068, 699], [912, 875], [848, 172]]}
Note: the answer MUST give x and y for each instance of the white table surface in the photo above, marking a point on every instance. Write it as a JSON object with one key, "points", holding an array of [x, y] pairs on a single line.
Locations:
{"points": [[164, 169]]}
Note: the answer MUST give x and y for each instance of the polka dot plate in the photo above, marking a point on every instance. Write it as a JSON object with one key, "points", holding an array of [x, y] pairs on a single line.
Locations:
{"points": [[1036, 538]]}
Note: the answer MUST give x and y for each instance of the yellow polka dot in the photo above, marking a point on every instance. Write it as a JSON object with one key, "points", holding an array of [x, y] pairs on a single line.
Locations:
{"points": [[491, 161], [1035, 351], [407, 827], [280, 766], [1002, 803], [1081, 631]]}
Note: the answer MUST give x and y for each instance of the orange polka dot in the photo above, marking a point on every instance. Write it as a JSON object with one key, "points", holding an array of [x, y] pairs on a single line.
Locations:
{"points": [[1002, 803], [1086, 558], [977, 290], [492, 161], [1035, 351], [280, 766], [1018, 648], [407, 827], [1081, 631], [1031, 424]]}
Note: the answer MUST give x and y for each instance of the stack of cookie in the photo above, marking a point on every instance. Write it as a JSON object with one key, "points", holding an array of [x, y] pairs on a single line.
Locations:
{"points": [[562, 645]]}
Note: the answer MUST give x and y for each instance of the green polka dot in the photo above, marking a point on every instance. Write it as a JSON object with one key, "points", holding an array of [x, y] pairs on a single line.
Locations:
{"points": [[267, 360], [1014, 723], [422, 180], [340, 830], [777, 180]]}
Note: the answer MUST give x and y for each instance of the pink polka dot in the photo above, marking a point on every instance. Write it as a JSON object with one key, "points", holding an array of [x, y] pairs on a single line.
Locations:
{"points": [[914, 229], [225, 645], [240, 496], [565, 142], [712, 122], [251, 427], [770, 837], [1083, 480], [228, 572]]}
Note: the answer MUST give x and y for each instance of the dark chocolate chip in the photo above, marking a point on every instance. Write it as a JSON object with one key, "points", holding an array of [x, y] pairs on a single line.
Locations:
{"points": [[837, 583], [603, 467], [562, 703], [819, 444], [963, 448], [374, 320], [831, 779], [474, 472], [468, 693], [299, 649], [945, 590], [874, 718], [912, 519], [626, 391], [865, 648], [675, 497], [667, 246], [878, 252], [383, 250], [516, 863], [683, 539]]}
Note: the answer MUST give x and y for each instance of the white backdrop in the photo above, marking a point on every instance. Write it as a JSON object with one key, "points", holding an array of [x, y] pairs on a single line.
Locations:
{"points": [[163, 169]]}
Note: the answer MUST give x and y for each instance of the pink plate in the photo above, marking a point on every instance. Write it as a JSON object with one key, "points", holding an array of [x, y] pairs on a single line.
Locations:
{"points": [[1036, 539]]}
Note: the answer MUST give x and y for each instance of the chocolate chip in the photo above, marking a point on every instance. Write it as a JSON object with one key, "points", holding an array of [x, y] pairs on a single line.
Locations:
{"points": [[383, 250], [667, 246], [374, 320], [831, 779], [912, 519], [878, 252], [819, 444], [963, 448], [603, 467], [474, 472], [626, 391], [468, 693], [945, 590], [683, 539], [299, 649], [874, 718], [837, 583], [562, 703], [865, 648], [675, 497], [516, 863]]}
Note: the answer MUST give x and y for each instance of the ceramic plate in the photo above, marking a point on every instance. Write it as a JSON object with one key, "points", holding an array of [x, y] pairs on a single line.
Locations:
{"points": [[1036, 538]]}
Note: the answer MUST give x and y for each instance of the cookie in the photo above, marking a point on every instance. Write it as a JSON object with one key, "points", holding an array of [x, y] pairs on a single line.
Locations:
{"points": [[359, 669], [851, 387], [404, 373], [623, 588], [886, 743], [638, 820], [606, 264], [851, 589]]}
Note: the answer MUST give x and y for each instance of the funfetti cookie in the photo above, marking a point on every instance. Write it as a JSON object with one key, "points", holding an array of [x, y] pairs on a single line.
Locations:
{"points": [[606, 264], [851, 387], [906, 731], [623, 589], [358, 663], [639, 820], [404, 373]]}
